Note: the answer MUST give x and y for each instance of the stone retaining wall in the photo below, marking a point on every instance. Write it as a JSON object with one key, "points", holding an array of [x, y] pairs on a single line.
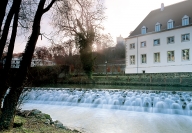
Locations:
{"points": [[157, 79]]}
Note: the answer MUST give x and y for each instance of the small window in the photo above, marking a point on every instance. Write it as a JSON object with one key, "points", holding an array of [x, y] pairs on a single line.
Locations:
{"points": [[170, 24], [170, 39], [185, 20], [157, 27], [185, 37], [170, 56], [143, 58], [143, 44], [185, 54], [156, 42], [144, 30], [156, 57], [132, 59], [132, 46]]}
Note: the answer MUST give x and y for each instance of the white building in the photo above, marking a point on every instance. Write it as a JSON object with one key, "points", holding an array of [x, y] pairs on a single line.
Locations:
{"points": [[15, 62], [162, 42]]}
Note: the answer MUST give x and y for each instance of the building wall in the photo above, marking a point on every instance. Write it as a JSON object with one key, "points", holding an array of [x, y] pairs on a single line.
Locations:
{"points": [[15, 63], [164, 66]]}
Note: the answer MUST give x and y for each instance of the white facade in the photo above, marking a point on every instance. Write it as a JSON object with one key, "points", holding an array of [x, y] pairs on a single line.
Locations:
{"points": [[180, 60], [39, 62], [15, 63]]}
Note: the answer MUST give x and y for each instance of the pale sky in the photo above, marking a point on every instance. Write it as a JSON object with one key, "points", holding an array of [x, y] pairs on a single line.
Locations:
{"points": [[123, 16]]}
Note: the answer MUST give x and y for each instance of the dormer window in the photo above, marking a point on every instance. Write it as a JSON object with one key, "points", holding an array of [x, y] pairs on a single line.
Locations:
{"points": [[170, 24], [185, 20], [144, 30], [157, 27]]}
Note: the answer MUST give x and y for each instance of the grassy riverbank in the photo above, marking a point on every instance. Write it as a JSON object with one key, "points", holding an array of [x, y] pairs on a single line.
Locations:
{"points": [[32, 124]]}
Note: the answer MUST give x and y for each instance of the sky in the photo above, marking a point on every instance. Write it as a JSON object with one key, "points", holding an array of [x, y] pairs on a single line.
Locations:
{"points": [[123, 16]]}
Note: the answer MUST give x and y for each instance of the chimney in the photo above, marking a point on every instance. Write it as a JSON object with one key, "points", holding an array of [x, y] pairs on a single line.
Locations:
{"points": [[162, 6]]}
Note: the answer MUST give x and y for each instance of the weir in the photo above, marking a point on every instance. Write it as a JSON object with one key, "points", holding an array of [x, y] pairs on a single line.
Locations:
{"points": [[167, 102], [115, 110]]}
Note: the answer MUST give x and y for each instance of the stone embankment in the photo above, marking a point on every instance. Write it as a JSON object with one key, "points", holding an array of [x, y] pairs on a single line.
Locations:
{"points": [[147, 79]]}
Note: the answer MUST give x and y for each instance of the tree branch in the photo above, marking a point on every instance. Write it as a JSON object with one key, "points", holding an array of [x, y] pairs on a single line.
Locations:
{"points": [[22, 25], [49, 6]]}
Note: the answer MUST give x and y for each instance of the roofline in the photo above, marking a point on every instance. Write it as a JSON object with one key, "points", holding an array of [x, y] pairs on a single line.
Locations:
{"points": [[170, 5], [164, 30], [155, 10]]}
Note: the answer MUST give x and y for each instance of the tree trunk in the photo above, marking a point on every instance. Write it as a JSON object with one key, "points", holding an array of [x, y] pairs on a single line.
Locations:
{"points": [[87, 60], [3, 78], [9, 108], [3, 6], [10, 103], [3, 40]]}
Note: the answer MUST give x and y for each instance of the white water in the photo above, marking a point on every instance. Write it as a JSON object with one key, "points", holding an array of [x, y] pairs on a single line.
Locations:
{"points": [[113, 115]]}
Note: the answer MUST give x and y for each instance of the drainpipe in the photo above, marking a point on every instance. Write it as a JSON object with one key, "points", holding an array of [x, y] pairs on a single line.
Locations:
{"points": [[137, 55]]}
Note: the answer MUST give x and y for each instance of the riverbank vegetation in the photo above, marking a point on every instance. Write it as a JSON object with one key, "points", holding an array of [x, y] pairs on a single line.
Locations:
{"points": [[35, 124]]}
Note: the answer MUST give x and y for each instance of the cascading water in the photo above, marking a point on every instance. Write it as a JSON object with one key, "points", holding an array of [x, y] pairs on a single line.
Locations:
{"points": [[142, 101], [112, 111]]}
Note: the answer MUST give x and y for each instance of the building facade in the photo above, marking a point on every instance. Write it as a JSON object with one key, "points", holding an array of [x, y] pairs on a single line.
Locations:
{"points": [[162, 43], [15, 62]]}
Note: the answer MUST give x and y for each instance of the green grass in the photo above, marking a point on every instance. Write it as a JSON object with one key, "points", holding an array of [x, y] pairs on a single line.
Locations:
{"points": [[32, 124]]}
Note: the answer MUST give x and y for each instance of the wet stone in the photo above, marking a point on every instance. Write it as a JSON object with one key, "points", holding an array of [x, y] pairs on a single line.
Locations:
{"points": [[183, 106], [189, 99], [182, 99]]}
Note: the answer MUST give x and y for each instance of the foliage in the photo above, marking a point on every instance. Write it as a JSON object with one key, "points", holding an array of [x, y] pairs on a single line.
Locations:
{"points": [[44, 74]]}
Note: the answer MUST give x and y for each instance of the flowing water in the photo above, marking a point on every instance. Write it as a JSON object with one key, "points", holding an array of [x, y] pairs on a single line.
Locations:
{"points": [[116, 111]]}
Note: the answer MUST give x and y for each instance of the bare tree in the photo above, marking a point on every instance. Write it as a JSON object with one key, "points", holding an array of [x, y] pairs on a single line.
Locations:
{"points": [[7, 65], [42, 54], [104, 41], [14, 12], [11, 99], [5, 32], [3, 6], [80, 20]]}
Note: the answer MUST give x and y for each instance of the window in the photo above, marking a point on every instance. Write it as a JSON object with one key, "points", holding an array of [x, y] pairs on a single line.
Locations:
{"points": [[170, 24], [185, 37], [144, 30], [143, 44], [156, 42], [185, 54], [156, 57], [185, 20], [132, 46], [170, 39], [170, 56], [143, 58], [132, 59], [157, 27]]}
